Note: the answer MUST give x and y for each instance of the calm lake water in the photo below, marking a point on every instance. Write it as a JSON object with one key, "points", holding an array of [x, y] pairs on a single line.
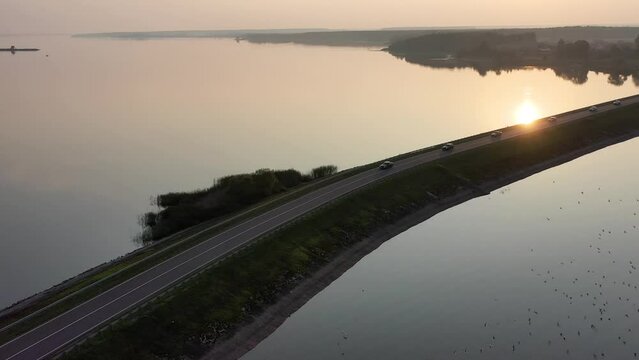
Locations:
{"points": [[545, 268], [93, 130]]}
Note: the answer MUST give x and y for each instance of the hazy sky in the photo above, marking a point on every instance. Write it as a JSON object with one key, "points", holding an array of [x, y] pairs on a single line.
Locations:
{"points": [[72, 16]]}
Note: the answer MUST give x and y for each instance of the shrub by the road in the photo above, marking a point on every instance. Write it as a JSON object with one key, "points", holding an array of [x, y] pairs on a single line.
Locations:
{"points": [[180, 210]]}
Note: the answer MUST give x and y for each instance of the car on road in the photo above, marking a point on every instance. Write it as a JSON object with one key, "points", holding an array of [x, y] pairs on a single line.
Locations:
{"points": [[552, 119], [448, 146], [386, 165], [593, 109], [496, 134], [616, 102]]}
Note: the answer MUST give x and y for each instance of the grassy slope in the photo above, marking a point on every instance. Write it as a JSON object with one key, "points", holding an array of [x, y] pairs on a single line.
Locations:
{"points": [[191, 318]]}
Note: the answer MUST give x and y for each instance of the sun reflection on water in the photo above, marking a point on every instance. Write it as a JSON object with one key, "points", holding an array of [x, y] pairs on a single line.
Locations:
{"points": [[526, 113]]}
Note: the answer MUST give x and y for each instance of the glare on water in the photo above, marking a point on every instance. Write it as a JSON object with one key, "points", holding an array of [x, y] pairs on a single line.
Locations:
{"points": [[527, 112]]}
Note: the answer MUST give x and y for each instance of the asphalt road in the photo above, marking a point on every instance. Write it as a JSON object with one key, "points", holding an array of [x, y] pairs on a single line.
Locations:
{"points": [[53, 336]]}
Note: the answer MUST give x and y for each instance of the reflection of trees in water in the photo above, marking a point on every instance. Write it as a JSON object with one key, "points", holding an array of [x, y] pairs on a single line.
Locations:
{"points": [[576, 74], [483, 69], [617, 79]]}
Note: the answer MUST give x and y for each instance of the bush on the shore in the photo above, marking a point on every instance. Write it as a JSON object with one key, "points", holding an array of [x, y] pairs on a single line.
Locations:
{"points": [[149, 219], [323, 171], [180, 210]]}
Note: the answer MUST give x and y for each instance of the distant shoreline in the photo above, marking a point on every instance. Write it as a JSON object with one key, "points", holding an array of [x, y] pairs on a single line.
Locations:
{"points": [[195, 34], [373, 37]]}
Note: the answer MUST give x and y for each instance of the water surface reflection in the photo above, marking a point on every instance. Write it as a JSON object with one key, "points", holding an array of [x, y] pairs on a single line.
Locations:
{"points": [[90, 132], [545, 268], [527, 112], [577, 74]]}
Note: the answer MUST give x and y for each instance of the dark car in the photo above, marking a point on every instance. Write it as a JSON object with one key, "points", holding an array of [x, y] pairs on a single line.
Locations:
{"points": [[386, 165], [448, 147]]}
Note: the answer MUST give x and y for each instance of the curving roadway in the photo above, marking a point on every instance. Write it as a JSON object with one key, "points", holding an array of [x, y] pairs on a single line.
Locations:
{"points": [[59, 333]]}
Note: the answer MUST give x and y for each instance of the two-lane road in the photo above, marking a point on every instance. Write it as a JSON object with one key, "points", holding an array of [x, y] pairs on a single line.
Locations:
{"points": [[58, 333]]}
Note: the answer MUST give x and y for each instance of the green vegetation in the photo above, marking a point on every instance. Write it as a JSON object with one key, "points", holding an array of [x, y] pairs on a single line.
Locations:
{"points": [[508, 49], [475, 43], [189, 320], [591, 33], [228, 194]]}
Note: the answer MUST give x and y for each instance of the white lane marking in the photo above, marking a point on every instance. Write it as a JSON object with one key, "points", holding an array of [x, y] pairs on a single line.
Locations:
{"points": [[201, 254], [202, 244], [179, 278], [160, 289]]}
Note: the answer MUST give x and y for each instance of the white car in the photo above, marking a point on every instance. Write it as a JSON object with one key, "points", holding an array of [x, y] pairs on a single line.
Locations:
{"points": [[496, 134], [616, 102], [448, 146], [386, 165], [593, 109], [552, 119]]}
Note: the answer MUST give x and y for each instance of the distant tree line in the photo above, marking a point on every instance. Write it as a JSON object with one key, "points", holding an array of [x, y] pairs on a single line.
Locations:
{"points": [[180, 210], [482, 43], [582, 49], [507, 50], [579, 49]]}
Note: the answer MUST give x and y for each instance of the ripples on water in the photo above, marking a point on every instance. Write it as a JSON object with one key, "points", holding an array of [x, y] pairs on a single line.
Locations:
{"points": [[545, 268]]}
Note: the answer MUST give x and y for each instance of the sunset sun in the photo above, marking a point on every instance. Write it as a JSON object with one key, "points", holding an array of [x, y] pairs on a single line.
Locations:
{"points": [[526, 113]]}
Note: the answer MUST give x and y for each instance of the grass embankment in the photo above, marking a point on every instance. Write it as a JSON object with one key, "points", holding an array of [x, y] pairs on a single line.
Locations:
{"points": [[191, 318]]}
